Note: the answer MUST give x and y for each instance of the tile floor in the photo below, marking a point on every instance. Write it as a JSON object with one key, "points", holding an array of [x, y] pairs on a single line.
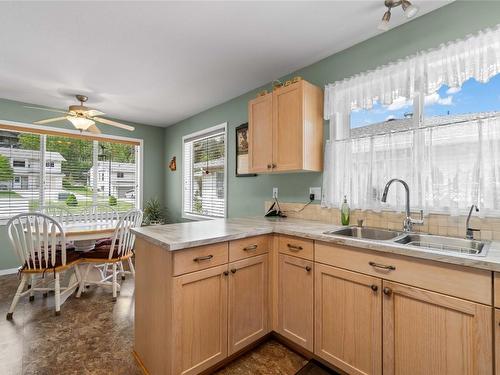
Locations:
{"points": [[95, 336]]}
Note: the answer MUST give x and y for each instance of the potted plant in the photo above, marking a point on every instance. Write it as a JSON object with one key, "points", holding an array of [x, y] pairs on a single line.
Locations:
{"points": [[154, 213]]}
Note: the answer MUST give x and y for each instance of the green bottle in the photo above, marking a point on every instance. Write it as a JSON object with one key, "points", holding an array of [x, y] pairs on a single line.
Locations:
{"points": [[344, 212]]}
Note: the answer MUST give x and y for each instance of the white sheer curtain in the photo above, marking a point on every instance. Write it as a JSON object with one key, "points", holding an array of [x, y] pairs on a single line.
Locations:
{"points": [[448, 167]]}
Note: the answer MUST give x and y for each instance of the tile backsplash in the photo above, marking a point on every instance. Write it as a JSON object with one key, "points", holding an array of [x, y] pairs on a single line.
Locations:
{"points": [[433, 223]]}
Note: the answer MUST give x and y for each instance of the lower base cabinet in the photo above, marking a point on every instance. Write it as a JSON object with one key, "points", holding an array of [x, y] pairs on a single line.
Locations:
{"points": [[248, 302], [348, 320], [199, 318], [430, 333], [295, 300]]}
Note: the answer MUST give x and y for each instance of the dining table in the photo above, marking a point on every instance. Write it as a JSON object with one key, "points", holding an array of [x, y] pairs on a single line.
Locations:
{"points": [[84, 235]]}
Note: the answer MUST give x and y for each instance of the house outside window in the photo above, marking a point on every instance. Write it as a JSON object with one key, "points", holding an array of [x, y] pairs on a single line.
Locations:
{"points": [[119, 174], [204, 173], [19, 163]]}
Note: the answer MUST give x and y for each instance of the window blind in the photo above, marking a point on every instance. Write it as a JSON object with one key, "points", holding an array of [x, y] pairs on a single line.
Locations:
{"points": [[45, 170], [204, 169]]}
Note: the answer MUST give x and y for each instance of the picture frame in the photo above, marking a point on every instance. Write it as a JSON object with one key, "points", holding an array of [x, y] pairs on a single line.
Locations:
{"points": [[241, 140]]}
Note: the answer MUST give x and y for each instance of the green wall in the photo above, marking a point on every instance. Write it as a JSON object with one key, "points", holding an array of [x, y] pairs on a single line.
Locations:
{"points": [[154, 165], [246, 195]]}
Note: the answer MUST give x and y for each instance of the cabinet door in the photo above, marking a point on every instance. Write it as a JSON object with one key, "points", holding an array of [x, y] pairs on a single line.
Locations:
{"points": [[430, 333], [295, 300], [288, 127], [348, 320], [497, 341], [260, 134], [199, 320], [248, 299]]}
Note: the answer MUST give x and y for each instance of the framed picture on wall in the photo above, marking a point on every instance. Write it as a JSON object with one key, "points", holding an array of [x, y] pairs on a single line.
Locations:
{"points": [[242, 151]]}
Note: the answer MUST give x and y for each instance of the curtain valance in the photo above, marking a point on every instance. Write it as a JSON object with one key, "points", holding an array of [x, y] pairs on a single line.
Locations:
{"points": [[477, 56]]}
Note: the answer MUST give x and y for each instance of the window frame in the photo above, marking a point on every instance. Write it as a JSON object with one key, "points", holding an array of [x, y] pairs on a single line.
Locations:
{"points": [[44, 131], [193, 136]]}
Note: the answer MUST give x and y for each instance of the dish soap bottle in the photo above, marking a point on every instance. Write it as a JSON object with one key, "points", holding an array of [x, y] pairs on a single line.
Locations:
{"points": [[344, 212]]}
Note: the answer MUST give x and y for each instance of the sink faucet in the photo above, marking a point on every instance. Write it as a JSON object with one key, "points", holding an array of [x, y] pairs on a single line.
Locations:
{"points": [[409, 221], [469, 233]]}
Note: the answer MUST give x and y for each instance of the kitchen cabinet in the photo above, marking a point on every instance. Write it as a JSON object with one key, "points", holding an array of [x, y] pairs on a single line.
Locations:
{"points": [[497, 341], [286, 130], [348, 320], [248, 301], [430, 333], [200, 303], [295, 300]]}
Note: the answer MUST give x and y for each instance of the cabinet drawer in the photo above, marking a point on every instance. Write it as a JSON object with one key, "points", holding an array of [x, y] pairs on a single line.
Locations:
{"points": [[297, 247], [248, 247], [468, 283], [199, 258]]}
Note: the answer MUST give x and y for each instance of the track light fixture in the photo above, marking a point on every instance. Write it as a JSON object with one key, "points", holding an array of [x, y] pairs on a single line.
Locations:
{"points": [[409, 10]]}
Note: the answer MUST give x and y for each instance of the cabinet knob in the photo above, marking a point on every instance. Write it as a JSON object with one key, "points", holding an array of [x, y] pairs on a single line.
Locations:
{"points": [[269, 166], [308, 268], [226, 273], [233, 270], [374, 287], [273, 165], [387, 291]]}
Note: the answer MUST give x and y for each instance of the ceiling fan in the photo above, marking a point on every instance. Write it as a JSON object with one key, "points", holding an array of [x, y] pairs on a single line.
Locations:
{"points": [[83, 118]]}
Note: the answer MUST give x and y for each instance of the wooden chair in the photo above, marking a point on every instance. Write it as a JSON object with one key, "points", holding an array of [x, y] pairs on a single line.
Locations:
{"points": [[119, 250], [61, 214], [40, 245]]}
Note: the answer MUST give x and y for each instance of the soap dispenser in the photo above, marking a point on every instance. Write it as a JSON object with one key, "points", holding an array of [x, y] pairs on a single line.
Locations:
{"points": [[344, 212]]}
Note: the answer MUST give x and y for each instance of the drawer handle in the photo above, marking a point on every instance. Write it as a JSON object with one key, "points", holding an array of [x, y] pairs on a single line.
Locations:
{"points": [[387, 291], [374, 287], [250, 248], [382, 266], [294, 247], [308, 268], [200, 259]]}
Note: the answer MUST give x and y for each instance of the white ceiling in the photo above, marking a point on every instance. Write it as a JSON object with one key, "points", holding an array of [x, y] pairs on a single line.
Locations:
{"points": [[160, 62]]}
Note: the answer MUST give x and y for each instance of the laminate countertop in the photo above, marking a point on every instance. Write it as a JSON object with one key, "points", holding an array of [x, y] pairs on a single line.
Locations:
{"points": [[174, 237]]}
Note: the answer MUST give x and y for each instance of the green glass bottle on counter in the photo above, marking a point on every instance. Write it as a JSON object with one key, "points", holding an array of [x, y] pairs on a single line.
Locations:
{"points": [[344, 212]]}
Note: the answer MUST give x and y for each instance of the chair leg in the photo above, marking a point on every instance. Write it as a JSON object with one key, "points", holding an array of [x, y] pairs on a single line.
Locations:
{"points": [[57, 286], [32, 286], [17, 296], [78, 278], [114, 282], [122, 270], [131, 266]]}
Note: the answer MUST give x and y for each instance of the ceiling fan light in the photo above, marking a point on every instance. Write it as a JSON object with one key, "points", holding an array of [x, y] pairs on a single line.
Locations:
{"points": [[384, 24], [81, 123], [409, 9]]}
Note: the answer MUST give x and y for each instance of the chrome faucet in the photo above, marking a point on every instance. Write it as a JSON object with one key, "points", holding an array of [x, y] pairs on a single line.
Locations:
{"points": [[409, 221], [469, 233]]}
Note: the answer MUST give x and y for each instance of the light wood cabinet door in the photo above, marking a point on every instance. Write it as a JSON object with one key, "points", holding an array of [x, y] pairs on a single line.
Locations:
{"points": [[248, 301], [295, 300], [288, 124], [497, 341], [260, 134], [430, 333], [348, 320], [199, 320]]}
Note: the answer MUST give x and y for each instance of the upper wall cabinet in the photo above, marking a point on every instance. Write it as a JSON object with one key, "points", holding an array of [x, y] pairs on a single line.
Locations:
{"points": [[286, 130]]}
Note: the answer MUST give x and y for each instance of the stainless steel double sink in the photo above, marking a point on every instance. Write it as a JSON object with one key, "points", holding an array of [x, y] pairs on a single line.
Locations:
{"points": [[416, 240]]}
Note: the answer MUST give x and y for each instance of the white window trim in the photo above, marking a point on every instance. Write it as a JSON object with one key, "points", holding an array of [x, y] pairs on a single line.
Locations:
{"points": [[222, 126], [104, 137]]}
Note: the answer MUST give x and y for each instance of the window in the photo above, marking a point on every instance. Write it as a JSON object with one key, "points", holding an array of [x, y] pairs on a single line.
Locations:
{"points": [[63, 171], [119, 175], [431, 119], [19, 163], [204, 173]]}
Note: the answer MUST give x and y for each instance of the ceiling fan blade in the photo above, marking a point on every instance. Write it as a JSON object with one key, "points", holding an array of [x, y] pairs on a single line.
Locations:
{"points": [[54, 119], [45, 109], [94, 112], [113, 123], [94, 129]]}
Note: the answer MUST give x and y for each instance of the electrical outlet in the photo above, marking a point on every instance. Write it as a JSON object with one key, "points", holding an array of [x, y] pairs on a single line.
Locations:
{"points": [[316, 191], [275, 193]]}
